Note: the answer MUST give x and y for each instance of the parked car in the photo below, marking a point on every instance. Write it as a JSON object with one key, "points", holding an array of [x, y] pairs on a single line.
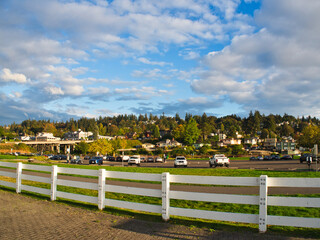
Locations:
{"points": [[96, 160], [135, 159], [180, 161], [219, 160], [59, 157], [158, 159], [304, 156], [275, 157], [75, 160], [111, 158], [260, 158], [286, 157], [119, 159], [150, 159], [143, 159], [252, 158], [267, 158]]}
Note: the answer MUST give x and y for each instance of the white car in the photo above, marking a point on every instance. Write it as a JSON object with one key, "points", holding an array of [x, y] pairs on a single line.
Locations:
{"points": [[158, 159], [135, 159], [219, 160], [180, 161]]}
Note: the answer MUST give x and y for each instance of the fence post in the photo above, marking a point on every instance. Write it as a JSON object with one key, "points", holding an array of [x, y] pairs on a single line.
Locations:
{"points": [[101, 188], [165, 196], [263, 203], [18, 177], [54, 177]]}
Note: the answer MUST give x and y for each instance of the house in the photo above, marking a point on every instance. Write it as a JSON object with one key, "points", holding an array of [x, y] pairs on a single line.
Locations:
{"points": [[105, 137], [229, 141], [25, 138], [251, 141], [200, 145], [131, 135], [220, 135], [286, 146], [77, 135], [270, 143], [168, 143], [148, 146], [43, 136]]}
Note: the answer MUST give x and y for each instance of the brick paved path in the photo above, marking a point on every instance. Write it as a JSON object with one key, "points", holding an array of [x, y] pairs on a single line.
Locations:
{"points": [[23, 217]]}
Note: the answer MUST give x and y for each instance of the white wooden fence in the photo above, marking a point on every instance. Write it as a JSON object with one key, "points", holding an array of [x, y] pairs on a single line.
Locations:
{"points": [[263, 200]]}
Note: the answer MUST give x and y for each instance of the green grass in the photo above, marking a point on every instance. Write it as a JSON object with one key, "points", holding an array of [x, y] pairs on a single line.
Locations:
{"points": [[203, 171], [13, 157]]}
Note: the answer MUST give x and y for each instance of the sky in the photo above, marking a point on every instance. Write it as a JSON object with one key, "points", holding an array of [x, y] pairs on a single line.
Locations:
{"points": [[62, 59]]}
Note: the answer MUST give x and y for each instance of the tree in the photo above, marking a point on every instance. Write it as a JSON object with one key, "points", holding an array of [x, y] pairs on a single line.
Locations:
{"points": [[264, 133], [102, 146], [286, 130], [192, 132], [311, 136], [156, 132], [102, 130], [119, 144], [82, 147], [178, 132]]}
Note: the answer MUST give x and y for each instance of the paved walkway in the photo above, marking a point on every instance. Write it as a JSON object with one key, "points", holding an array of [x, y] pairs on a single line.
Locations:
{"points": [[23, 217]]}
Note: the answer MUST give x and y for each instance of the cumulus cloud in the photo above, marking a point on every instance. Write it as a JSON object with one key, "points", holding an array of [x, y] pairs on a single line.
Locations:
{"points": [[274, 70], [7, 76]]}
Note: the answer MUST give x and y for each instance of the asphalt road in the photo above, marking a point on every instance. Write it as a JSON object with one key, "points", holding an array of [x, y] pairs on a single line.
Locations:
{"points": [[285, 165]]}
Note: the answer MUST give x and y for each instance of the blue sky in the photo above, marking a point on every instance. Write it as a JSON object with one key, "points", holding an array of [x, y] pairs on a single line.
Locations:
{"points": [[75, 58]]}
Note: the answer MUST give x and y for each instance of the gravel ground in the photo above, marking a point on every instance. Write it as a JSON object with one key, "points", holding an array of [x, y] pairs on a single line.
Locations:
{"points": [[23, 217]]}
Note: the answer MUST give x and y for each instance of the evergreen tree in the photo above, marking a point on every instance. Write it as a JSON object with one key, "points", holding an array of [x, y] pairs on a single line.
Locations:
{"points": [[192, 132]]}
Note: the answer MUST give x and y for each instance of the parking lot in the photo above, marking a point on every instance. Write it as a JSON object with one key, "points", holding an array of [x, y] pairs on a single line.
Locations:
{"points": [[280, 165]]}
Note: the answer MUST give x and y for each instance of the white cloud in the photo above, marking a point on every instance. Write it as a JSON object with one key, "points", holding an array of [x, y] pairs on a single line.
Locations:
{"points": [[54, 90], [274, 70], [147, 61], [7, 76]]}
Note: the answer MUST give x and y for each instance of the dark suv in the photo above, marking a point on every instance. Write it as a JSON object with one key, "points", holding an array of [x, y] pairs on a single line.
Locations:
{"points": [[305, 155], [96, 160]]}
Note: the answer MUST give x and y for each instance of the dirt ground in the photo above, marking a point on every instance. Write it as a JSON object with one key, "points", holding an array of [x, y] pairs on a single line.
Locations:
{"points": [[23, 217]]}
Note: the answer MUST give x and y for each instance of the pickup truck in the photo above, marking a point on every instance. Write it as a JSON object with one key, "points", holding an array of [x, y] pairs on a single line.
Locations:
{"points": [[135, 159], [219, 160]]}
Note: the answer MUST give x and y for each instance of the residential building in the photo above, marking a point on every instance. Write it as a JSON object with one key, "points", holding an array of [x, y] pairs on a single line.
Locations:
{"points": [[200, 145], [229, 141], [270, 143], [43, 136], [286, 146], [251, 141], [168, 143], [77, 135], [148, 146]]}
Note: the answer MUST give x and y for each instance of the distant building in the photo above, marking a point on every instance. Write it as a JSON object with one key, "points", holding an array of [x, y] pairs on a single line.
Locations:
{"points": [[229, 141], [77, 135], [200, 145], [286, 146], [168, 143], [148, 146], [43, 136], [251, 141], [270, 143]]}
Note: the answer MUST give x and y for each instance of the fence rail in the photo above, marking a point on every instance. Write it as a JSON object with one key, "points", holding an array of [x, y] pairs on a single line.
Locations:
{"points": [[262, 200]]}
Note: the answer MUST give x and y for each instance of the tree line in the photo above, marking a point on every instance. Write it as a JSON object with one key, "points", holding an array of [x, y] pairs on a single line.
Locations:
{"points": [[188, 130]]}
